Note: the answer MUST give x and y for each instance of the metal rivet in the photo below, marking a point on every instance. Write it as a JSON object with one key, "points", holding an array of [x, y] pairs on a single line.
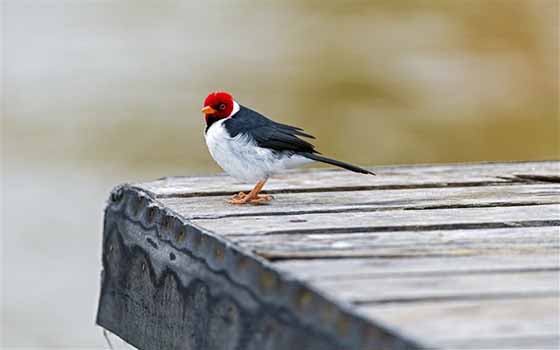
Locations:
{"points": [[303, 298], [180, 237], [219, 253], [369, 332], [242, 262], [267, 280], [342, 324], [196, 240], [328, 313]]}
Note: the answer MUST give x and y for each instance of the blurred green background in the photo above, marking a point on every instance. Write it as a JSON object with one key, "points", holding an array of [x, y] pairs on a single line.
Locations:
{"points": [[100, 92]]}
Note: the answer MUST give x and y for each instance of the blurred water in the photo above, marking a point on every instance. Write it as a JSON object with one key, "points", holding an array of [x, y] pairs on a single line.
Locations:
{"points": [[101, 92]]}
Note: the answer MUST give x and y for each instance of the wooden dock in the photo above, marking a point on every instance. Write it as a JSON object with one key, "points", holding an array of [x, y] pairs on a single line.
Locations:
{"points": [[440, 256]]}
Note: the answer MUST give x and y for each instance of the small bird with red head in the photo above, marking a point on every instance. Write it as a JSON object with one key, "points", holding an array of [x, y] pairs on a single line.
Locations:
{"points": [[251, 147]]}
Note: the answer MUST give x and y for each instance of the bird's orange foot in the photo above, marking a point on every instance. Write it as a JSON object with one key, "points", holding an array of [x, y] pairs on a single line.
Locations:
{"points": [[240, 195], [246, 199], [261, 199]]}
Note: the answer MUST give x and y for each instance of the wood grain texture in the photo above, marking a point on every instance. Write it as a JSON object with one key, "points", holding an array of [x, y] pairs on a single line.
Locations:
{"points": [[337, 180], [375, 267], [516, 323], [409, 220], [446, 287], [460, 256], [372, 200], [458, 242], [540, 342]]}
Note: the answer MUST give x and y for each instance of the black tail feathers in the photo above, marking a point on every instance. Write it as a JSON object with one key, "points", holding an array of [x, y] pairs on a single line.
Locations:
{"points": [[338, 163]]}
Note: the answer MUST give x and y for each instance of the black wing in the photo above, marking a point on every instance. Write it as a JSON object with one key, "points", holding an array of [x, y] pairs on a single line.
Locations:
{"points": [[279, 137], [268, 133]]}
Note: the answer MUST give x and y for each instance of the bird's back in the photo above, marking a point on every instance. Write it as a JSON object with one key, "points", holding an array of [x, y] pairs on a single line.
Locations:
{"points": [[267, 133]]}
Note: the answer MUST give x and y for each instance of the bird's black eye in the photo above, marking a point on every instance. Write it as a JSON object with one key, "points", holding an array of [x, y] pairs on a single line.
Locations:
{"points": [[222, 106]]}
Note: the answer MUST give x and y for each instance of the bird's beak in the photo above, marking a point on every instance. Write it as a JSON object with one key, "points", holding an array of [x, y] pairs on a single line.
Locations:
{"points": [[208, 110]]}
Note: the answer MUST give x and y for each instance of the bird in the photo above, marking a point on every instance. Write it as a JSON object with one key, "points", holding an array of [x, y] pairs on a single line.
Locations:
{"points": [[251, 147]]}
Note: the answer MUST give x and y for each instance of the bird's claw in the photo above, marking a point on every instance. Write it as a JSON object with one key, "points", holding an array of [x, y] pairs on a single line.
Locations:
{"points": [[261, 199], [238, 199], [240, 195]]}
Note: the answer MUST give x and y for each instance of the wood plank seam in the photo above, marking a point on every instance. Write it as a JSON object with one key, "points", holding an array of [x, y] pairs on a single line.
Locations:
{"points": [[463, 297], [416, 228], [367, 209], [538, 178], [392, 275], [355, 188]]}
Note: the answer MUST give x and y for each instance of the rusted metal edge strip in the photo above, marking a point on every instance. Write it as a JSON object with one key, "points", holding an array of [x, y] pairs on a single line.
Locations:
{"points": [[154, 257]]}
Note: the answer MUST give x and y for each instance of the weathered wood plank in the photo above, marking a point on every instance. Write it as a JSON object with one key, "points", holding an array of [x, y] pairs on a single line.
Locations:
{"points": [[168, 284], [329, 180], [543, 215], [538, 342], [448, 287], [332, 203], [444, 255], [481, 324], [371, 268], [512, 241]]}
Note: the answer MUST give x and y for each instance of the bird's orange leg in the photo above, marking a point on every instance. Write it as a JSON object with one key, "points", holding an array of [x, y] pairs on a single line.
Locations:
{"points": [[252, 197]]}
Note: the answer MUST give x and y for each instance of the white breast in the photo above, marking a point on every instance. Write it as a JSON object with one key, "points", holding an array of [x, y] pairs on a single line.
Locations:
{"points": [[241, 158]]}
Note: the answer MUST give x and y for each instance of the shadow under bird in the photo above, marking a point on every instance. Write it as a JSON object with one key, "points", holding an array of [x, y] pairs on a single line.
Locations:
{"points": [[251, 147]]}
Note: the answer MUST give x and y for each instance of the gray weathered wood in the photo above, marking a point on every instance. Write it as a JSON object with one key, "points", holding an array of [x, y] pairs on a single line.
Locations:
{"points": [[514, 240], [446, 287], [384, 220], [371, 200], [446, 256], [375, 267], [451, 322], [336, 180], [540, 342]]}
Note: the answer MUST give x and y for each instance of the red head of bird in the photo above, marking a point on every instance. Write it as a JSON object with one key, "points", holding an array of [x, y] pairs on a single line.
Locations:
{"points": [[218, 105]]}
